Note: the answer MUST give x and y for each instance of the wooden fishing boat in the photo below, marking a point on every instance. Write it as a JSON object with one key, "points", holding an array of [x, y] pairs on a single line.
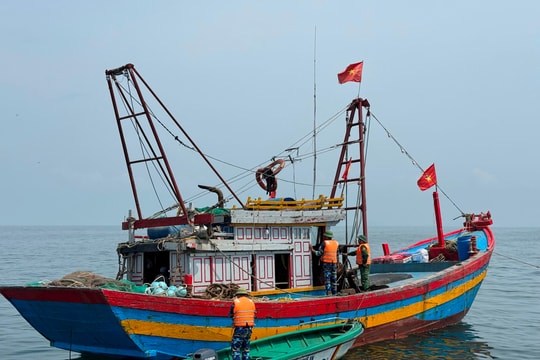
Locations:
{"points": [[314, 343], [202, 254]]}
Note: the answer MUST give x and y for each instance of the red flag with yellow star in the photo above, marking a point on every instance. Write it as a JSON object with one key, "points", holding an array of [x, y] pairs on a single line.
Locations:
{"points": [[428, 178], [353, 72], [346, 172]]}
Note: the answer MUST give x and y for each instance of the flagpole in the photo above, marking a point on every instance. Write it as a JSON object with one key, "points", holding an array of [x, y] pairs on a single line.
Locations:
{"points": [[438, 218], [360, 84], [314, 112]]}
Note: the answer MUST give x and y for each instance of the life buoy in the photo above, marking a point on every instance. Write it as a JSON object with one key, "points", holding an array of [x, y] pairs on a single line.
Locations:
{"points": [[268, 173]]}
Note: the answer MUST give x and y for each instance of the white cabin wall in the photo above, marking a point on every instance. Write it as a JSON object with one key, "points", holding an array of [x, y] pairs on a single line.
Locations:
{"points": [[209, 269], [235, 267]]}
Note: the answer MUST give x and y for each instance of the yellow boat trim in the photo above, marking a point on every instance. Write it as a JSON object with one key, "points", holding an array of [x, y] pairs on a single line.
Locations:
{"points": [[210, 333], [214, 333], [421, 306]]}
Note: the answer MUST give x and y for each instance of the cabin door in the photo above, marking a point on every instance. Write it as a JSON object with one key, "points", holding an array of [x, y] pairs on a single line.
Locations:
{"points": [[282, 270], [156, 264], [301, 273]]}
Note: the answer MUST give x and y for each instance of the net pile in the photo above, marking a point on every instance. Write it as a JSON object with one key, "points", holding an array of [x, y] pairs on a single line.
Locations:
{"points": [[86, 279]]}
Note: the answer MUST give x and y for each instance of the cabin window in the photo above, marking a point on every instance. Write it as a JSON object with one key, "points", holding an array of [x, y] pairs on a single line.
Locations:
{"points": [[257, 233], [239, 233], [138, 263], [280, 233], [301, 233], [198, 270], [248, 233], [219, 270]]}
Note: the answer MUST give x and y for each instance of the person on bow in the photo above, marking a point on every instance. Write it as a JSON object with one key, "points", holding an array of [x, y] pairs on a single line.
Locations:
{"points": [[363, 260], [243, 313], [329, 256]]}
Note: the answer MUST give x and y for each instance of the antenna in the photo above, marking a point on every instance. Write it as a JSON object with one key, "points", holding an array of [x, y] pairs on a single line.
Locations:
{"points": [[314, 112]]}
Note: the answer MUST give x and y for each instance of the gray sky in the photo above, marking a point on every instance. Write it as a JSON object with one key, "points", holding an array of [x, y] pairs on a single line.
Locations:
{"points": [[455, 83]]}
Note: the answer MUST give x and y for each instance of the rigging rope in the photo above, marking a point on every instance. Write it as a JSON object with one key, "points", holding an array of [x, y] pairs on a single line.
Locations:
{"points": [[517, 260], [248, 172], [145, 153], [415, 163]]}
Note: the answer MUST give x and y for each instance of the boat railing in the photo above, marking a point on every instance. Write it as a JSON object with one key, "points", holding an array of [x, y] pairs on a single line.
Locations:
{"points": [[320, 203]]}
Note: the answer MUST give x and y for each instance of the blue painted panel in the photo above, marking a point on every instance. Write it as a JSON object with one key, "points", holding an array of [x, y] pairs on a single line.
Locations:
{"points": [[79, 327], [453, 307], [177, 347]]}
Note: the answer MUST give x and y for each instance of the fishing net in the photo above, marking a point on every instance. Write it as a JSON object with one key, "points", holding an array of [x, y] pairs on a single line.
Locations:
{"points": [[88, 279]]}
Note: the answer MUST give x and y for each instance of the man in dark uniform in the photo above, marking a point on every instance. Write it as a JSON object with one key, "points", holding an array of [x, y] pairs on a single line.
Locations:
{"points": [[243, 314], [329, 256]]}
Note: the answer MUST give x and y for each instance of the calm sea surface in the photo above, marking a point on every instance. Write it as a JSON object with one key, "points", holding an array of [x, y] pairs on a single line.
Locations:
{"points": [[504, 322]]}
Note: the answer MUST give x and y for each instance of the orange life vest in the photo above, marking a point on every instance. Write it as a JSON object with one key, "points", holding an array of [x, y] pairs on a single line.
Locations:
{"points": [[359, 254], [330, 251], [244, 312]]}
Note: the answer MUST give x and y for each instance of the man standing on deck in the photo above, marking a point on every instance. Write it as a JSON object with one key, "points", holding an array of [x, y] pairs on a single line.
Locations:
{"points": [[329, 251], [243, 314], [363, 260]]}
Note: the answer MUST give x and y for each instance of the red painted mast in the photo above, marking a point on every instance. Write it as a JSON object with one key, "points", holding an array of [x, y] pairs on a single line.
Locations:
{"points": [[438, 218], [354, 120], [141, 117]]}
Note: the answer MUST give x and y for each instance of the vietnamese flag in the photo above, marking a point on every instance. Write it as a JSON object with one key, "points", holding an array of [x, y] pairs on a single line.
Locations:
{"points": [[353, 72], [346, 172], [428, 178]]}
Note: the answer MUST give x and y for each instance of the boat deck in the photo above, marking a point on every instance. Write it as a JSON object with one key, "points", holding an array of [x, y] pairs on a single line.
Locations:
{"points": [[394, 275]]}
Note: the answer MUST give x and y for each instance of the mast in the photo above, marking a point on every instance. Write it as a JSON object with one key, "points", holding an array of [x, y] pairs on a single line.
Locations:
{"points": [[142, 119], [314, 114], [152, 141], [357, 159]]}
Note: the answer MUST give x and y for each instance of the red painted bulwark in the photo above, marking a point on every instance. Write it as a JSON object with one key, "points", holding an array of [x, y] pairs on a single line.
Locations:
{"points": [[59, 294]]}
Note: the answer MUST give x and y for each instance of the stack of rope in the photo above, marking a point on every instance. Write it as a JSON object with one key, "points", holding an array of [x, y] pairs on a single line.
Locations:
{"points": [[221, 291]]}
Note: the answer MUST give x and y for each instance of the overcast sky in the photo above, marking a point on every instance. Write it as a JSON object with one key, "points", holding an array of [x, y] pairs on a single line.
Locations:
{"points": [[456, 83]]}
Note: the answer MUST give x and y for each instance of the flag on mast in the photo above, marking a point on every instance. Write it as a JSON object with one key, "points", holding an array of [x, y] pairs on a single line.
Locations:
{"points": [[346, 172], [353, 72], [428, 178]]}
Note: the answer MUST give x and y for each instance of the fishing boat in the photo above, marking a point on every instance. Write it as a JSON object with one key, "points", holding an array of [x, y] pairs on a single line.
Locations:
{"points": [[180, 266], [313, 343]]}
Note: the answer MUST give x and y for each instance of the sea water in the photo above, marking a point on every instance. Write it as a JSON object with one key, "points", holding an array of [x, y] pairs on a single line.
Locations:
{"points": [[503, 323]]}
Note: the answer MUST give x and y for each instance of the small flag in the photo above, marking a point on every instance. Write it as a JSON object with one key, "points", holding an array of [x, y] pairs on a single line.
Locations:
{"points": [[346, 172], [353, 72], [428, 178]]}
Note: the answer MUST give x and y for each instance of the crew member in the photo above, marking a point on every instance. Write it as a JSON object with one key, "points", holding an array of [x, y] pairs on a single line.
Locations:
{"points": [[329, 256], [363, 260], [243, 314]]}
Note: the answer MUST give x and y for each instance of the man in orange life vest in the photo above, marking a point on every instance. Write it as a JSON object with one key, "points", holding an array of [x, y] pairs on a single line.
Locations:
{"points": [[363, 260], [329, 251], [243, 314]]}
